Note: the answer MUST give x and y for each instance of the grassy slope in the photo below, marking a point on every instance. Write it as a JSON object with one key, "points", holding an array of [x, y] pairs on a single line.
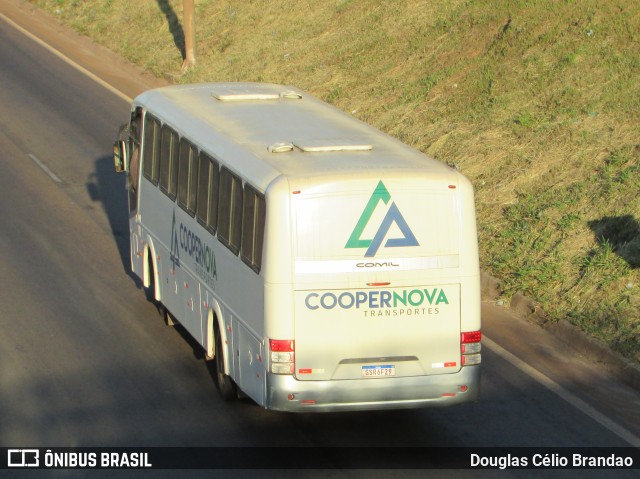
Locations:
{"points": [[537, 102]]}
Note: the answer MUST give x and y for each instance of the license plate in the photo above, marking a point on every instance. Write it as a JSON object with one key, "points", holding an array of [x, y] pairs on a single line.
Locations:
{"points": [[378, 371]]}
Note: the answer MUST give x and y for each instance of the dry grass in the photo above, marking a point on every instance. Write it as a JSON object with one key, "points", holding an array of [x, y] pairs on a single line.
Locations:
{"points": [[537, 102]]}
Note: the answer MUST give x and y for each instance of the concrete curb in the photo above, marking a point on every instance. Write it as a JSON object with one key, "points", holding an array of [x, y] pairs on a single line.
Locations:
{"points": [[592, 349], [597, 352]]}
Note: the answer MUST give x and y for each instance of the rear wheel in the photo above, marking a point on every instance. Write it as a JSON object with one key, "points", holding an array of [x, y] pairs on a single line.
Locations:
{"points": [[150, 290], [169, 319], [226, 387]]}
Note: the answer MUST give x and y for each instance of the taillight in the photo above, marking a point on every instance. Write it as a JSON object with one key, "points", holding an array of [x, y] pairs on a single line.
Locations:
{"points": [[282, 355], [470, 347], [471, 337]]}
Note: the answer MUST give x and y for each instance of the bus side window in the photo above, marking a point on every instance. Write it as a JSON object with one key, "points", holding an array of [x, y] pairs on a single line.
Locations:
{"points": [[230, 210], [207, 197], [151, 148], [187, 176], [169, 162], [253, 219]]}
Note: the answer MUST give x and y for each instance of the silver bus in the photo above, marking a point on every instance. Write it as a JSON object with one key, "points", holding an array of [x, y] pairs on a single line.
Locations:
{"points": [[321, 263]]}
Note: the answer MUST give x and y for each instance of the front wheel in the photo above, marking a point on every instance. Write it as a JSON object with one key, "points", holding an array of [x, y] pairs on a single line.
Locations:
{"points": [[226, 387]]}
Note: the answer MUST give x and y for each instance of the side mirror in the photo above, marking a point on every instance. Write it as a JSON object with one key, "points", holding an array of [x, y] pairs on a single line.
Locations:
{"points": [[120, 156], [120, 150]]}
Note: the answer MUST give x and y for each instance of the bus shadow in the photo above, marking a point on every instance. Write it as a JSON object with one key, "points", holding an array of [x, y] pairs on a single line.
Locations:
{"points": [[106, 186]]}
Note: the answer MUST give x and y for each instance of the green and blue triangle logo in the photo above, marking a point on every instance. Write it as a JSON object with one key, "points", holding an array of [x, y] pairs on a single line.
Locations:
{"points": [[174, 255], [381, 194]]}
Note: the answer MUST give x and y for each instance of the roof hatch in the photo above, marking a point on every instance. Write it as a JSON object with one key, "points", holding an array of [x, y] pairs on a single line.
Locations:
{"points": [[252, 93], [319, 146], [332, 144]]}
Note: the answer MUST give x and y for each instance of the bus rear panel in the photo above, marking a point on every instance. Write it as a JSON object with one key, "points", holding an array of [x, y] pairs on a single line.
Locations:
{"points": [[385, 293]]}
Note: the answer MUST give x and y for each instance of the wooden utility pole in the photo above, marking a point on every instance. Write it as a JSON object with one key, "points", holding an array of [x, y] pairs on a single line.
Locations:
{"points": [[188, 12]]}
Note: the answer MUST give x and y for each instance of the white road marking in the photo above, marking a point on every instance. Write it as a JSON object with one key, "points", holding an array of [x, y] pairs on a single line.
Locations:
{"points": [[45, 168], [571, 398], [66, 59]]}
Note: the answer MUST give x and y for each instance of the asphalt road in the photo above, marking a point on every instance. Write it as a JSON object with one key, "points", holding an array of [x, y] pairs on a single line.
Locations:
{"points": [[86, 360]]}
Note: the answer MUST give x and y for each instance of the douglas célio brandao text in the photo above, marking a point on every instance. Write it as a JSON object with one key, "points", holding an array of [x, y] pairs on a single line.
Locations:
{"points": [[548, 460]]}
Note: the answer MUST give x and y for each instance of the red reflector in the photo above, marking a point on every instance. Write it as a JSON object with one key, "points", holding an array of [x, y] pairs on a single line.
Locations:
{"points": [[282, 345], [308, 401], [379, 284], [304, 371], [449, 395], [471, 337], [452, 187], [450, 365]]}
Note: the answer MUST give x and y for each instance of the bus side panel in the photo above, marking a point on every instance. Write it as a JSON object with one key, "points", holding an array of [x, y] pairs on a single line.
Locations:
{"points": [[252, 365], [239, 292], [156, 230], [277, 264], [470, 266]]}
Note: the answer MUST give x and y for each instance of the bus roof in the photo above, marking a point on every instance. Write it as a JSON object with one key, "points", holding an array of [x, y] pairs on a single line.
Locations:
{"points": [[263, 131]]}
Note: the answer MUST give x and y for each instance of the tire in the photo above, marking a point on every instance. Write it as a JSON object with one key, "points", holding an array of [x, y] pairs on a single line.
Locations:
{"points": [[150, 291], [226, 387], [169, 319]]}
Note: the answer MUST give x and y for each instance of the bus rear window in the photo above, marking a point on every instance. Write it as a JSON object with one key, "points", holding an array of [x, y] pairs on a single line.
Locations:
{"points": [[410, 223]]}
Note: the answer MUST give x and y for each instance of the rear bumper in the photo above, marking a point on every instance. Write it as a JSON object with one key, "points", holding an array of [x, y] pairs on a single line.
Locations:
{"points": [[369, 394]]}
